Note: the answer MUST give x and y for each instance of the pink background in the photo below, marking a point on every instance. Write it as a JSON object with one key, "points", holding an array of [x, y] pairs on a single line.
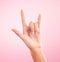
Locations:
{"points": [[12, 49]]}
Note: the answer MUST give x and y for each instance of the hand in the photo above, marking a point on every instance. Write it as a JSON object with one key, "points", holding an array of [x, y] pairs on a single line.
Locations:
{"points": [[31, 37], [31, 33]]}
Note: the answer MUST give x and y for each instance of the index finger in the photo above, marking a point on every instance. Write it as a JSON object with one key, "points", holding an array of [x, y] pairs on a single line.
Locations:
{"points": [[23, 19]]}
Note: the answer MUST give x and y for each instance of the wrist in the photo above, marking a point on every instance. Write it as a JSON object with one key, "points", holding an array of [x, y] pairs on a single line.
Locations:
{"points": [[37, 55], [35, 50]]}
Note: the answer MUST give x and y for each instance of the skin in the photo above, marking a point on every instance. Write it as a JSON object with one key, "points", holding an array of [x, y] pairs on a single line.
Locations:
{"points": [[31, 37]]}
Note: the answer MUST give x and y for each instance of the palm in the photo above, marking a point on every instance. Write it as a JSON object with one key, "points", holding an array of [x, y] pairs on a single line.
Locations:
{"points": [[31, 33]]}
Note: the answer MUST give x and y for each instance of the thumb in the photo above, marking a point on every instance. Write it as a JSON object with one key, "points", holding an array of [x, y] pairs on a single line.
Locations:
{"points": [[24, 37], [18, 33]]}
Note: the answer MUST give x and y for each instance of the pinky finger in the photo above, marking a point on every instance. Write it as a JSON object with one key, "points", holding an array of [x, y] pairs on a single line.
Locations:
{"points": [[39, 20]]}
